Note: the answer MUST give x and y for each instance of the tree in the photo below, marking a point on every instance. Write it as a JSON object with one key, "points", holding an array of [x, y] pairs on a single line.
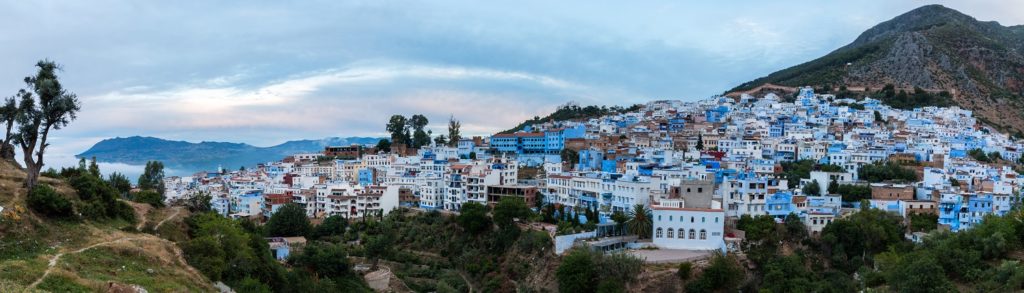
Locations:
{"points": [[8, 115], [384, 145], [289, 220], [420, 136], [45, 106], [94, 168], [920, 274], [640, 222], [441, 140], [577, 272], [473, 218], [398, 128], [700, 141], [795, 228], [149, 196], [334, 225], [120, 182], [453, 131], [723, 274], [509, 209], [472, 155], [377, 246], [833, 187], [570, 156], [199, 202], [325, 259], [620, 219], [878, 117], [152, 177], [812, 188]]}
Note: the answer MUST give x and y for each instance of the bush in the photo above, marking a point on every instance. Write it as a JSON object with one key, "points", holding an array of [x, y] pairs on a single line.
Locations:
{"points": [[151, 197], [44, 200], [685, 269]]}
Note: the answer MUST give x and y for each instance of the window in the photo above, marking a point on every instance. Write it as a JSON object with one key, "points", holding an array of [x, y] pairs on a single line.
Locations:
{"points": [[659, 217], [681, 232], [700, 189], [669, 235], [703, 234], [670, 219], [693, 234], [658, 233], [716, 219], [691, 219], [703, 220]]}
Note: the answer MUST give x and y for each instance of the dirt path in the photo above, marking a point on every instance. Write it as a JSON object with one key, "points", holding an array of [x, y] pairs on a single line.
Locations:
{"points": [[55, 258], [468, 283], [178, 255], [177, 210]]}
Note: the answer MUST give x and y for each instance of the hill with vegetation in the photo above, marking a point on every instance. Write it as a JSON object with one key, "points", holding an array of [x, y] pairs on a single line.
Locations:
{"points": [[572, 111], [79, 235], [207, 155], [930, 56]]}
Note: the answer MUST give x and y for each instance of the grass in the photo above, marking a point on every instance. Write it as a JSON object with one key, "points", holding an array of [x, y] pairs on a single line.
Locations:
{"points": [[22, 272], [132, 266], [58, 283]]}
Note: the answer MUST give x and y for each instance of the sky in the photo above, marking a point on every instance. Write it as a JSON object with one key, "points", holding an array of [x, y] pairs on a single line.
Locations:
{"points": [[265, 72]]}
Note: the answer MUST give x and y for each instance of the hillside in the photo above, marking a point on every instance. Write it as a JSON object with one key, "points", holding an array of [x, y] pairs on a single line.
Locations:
{"points": [[207, 155], [572, 111], [83, 256], [934, 48]]}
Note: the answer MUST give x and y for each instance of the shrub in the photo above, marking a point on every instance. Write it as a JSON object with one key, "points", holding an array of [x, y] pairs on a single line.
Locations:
{"points": [[149, 196], [685, 269], [44, 200]]}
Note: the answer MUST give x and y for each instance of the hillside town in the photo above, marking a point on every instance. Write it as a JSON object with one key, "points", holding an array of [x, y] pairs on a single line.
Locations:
{"points": [[698, 167]]}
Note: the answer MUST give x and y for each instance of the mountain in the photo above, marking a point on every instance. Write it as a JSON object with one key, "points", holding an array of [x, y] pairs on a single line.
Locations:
{"points": [[951, 57], [207, 155]]}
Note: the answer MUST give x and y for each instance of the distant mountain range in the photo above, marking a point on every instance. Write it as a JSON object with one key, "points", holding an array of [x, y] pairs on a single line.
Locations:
{"points": [[951, 57], [207, 155]]}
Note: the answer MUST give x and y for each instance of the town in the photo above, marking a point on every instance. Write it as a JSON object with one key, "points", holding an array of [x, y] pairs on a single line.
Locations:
{"points": [[694, 168]]}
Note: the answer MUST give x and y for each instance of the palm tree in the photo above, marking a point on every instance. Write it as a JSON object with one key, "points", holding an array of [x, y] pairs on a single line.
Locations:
{"points": [[640, 221]]}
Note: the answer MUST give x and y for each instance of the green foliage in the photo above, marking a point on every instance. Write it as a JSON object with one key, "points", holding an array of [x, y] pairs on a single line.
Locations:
{"points": [[120, 182], [383, 145], [574, 112], [325, 259], [917, 99], [886, 171], [919, 272], [152, 178], [473, 218], [46, 201], [979, 155], [813, 188], [570, 156], [289, 220], [508, 209], [149, 196], [199, 202], [851, 241], [923, 222], [333, 226], [640, 221], [854, 193], [685, 270], [98, 200], [585, 270], [722, 274]]}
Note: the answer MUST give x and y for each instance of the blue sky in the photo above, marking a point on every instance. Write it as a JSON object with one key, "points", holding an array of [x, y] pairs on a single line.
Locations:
{"points": [[264, 72]]}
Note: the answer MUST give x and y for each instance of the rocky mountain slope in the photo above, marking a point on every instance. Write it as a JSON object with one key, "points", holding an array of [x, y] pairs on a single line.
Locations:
{"points": [[934, 48]]}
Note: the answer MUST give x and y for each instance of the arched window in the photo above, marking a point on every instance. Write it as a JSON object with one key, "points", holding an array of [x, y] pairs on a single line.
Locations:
{"points": [[693, 234], [658, 233], [703, 234], [682, 233], [670, 234]]}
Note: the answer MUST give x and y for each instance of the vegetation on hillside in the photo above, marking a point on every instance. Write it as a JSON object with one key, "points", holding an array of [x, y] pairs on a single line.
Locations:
{"points": [[572, 111]]}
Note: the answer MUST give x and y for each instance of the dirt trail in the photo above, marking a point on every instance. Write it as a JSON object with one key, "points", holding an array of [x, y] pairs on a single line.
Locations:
{"points": [[55, 258], [178, 257], [177, 210]]}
